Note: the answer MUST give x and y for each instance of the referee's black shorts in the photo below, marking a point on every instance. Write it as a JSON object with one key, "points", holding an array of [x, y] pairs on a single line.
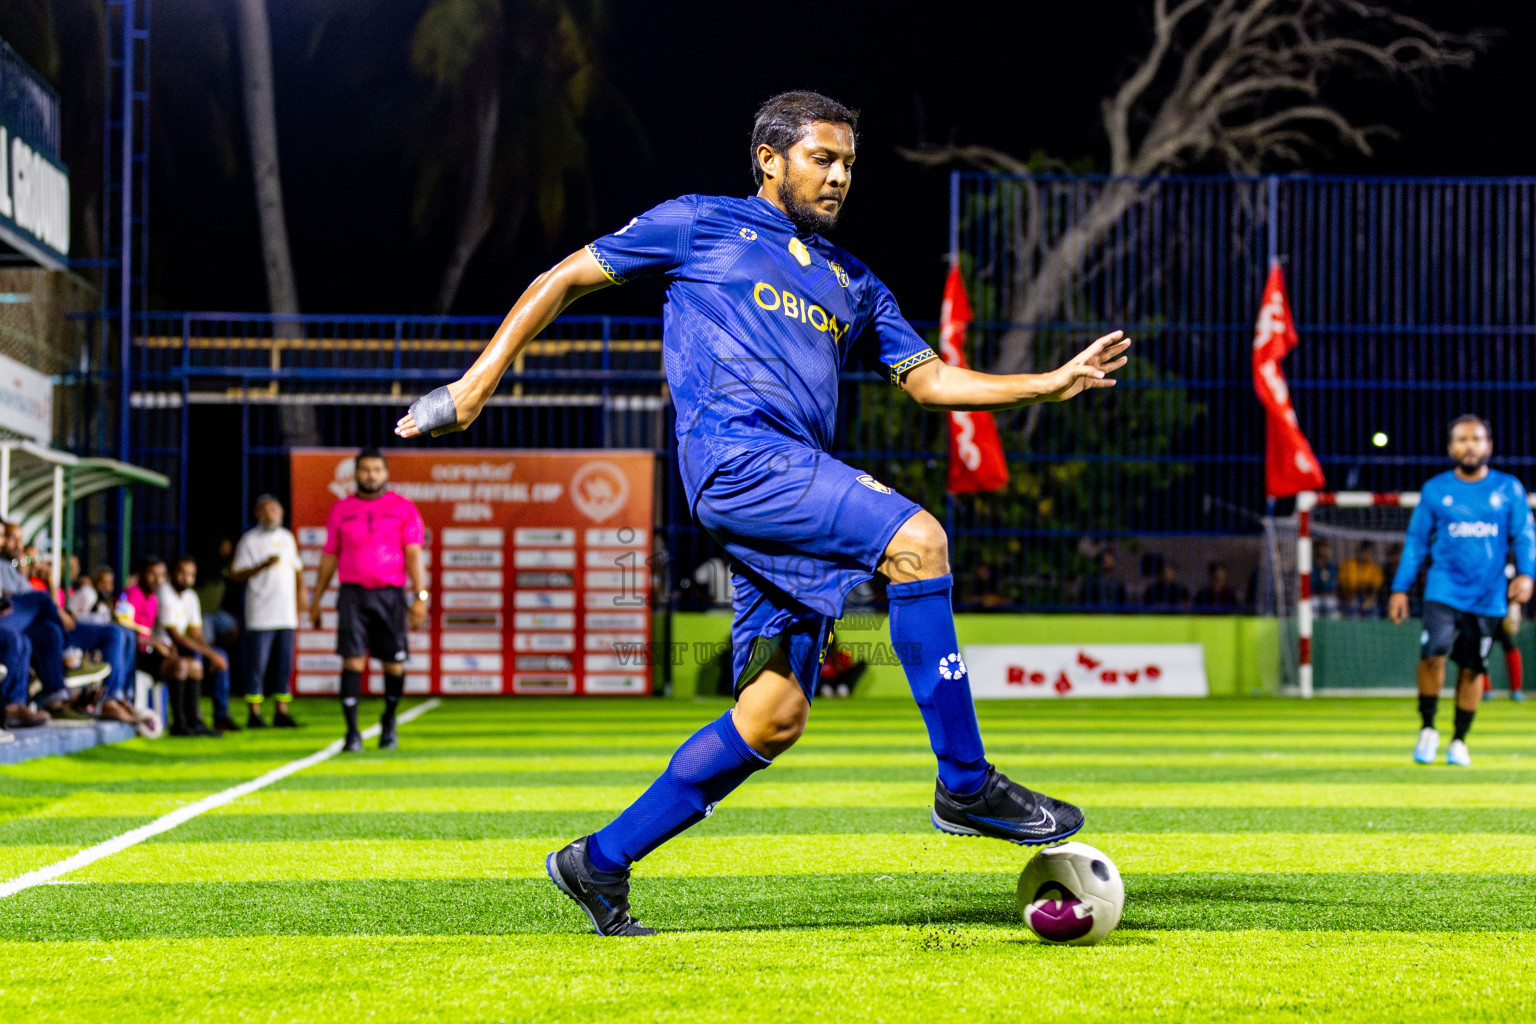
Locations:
{"points": [[371, 622], [1462, 635]]}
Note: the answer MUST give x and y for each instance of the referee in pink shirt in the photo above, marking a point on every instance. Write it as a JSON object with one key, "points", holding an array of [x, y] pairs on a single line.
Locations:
{"points": [[373, 542]]}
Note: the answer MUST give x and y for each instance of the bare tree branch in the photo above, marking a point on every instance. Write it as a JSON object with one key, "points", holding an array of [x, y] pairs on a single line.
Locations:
{"points": [[1244, 84]]}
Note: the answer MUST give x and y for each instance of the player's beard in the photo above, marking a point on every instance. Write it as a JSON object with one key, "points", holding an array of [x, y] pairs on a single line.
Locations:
{"points": [[370, 491], [1471, 463], [806, 216]]}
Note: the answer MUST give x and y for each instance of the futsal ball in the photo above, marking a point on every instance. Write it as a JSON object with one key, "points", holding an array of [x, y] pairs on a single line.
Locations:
{"points": [[1071, 894]]}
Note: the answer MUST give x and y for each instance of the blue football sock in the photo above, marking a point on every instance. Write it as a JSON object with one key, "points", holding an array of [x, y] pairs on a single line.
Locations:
{"points": [[714, 761], [923, 635]]}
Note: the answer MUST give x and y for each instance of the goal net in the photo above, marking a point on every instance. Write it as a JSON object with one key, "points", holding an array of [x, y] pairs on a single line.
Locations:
{"points": [[1327, 575]]}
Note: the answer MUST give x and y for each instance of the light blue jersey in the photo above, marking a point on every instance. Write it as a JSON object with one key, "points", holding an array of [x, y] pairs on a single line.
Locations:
{"points": [[1469, 530]]}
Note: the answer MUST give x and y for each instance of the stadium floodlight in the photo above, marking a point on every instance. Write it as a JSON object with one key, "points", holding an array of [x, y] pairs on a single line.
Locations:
{"points": [[1379, 439]]}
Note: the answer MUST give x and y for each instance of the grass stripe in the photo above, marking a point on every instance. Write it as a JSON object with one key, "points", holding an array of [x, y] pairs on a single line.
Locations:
{"points": [[876, 973], [764, 904], [700, 854], [80, 831]]}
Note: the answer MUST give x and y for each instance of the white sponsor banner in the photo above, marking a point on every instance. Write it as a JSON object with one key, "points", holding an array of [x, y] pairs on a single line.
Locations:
{"points": [[615, 620], [487, 579], [415, 662], [484, 537], [472, 558], [419, 682], [453, 641], [482, 599], [529, 683], [530, 599], [314, 535], [610, 558], [615, 641], [471, 620], [543, 537], [469, 662], [309, 640], [623, 661], [545, 620], [310, 556], [328, 600], [317, 684], [613, 600], [319, 662], [26, 401], [460, 682], [624, 537], [535, 558], [615, 684], [607, 579], [544, 642], [1086, 670], [419, 641]]}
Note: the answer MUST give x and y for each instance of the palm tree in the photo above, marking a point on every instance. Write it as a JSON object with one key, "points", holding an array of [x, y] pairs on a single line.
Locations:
{"points": [[255, 41], [513, 82]]}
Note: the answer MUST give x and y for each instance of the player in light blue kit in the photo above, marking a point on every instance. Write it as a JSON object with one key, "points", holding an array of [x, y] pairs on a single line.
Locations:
{"points": [[1469, 521], [760, 314]]}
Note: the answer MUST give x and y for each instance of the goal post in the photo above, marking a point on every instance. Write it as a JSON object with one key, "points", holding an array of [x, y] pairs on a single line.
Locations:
{"points": [[1307, 503], [1345, 609]]}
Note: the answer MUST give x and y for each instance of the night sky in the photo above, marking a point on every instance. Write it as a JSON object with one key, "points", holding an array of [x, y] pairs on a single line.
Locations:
{"points": [[1020, 76]]}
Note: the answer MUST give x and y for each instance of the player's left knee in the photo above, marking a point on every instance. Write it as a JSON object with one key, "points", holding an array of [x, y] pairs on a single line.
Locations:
{"points": [[919, 551]]}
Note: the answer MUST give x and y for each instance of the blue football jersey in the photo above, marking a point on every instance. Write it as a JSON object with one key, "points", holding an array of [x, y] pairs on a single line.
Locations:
{"points": [[757, 323], [1469, 530]]}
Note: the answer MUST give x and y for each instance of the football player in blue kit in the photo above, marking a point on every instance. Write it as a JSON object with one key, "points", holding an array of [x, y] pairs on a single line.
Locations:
{"points": [[761, 311], [1469, 522]]}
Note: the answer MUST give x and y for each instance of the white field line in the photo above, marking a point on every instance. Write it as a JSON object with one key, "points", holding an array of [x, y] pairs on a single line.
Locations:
{"points": [[46, 875]]}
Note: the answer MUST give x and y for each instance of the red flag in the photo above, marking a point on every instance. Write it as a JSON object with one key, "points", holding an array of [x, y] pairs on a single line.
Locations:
{"points": [[1289, 464], [976, 461]]}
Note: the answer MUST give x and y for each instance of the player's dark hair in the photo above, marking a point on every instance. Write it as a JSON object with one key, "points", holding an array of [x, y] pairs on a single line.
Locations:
{"points": [[148, 562], [186, 558], [1468, 418], [371, 453], [783, 119]]}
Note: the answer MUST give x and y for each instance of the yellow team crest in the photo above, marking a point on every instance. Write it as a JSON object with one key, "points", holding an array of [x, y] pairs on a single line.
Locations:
{"points": [[838, 272], [798, 250]]}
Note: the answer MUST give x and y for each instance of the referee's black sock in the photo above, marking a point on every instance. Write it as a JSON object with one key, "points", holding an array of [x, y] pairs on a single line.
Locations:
{"points": [[1427, 708], [394, 689], [351, 689], [1463, 724]]}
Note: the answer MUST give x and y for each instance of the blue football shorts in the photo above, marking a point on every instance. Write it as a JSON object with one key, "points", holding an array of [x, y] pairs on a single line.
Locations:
{"points": [[802, 530]]}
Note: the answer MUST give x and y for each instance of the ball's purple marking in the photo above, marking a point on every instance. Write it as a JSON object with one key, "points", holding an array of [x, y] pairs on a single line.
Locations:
{"points": [[1053, 915]]}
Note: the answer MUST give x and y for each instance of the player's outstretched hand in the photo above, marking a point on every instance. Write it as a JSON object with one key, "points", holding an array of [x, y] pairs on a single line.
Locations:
{"points": [[1397, 608], [465, 408], [1520, 590], [1090, 368]]}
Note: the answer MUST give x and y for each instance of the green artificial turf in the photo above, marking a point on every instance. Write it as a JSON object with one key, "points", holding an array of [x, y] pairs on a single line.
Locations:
{"points": [[1282, 860]]}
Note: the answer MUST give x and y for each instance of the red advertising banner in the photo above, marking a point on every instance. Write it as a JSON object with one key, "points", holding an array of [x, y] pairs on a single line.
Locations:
{"points": [[536, 563]]}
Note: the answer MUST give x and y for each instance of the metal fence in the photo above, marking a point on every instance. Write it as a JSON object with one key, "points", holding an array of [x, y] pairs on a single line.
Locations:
{"points": [[1415, 301]]}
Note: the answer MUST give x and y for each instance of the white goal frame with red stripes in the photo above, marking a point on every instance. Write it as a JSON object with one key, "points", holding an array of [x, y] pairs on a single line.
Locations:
{"points": [[1306, 501]]}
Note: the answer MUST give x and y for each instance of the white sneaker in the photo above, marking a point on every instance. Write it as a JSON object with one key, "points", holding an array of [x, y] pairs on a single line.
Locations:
{"points": [[1457, 754], [1429, 746]]}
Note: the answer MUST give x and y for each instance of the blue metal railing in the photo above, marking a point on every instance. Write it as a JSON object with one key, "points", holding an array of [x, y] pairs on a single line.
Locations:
{"points": [[1415, 301]]}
